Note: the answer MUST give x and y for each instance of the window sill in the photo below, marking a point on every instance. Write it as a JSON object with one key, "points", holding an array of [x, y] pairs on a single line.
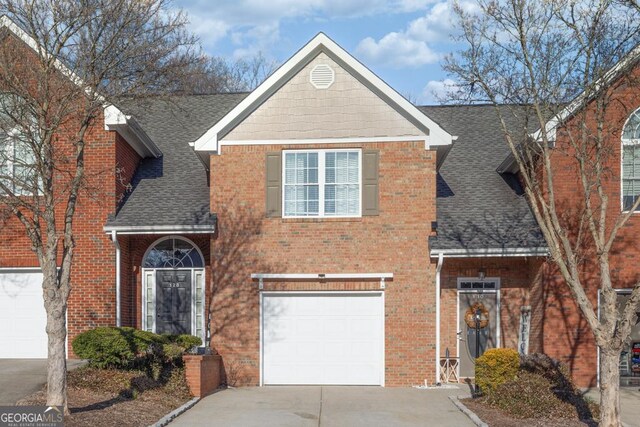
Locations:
{"points": [[323, 219]]}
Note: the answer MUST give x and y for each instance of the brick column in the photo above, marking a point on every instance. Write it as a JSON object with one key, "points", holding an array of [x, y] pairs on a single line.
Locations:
{"points": [[202, 373]]}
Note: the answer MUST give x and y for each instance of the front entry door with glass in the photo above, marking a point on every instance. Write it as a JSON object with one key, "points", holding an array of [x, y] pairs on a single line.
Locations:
{"points": [[470, 303], [173, 301]]}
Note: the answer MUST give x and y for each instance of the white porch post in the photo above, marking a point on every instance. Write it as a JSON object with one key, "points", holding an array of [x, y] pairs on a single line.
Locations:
{"points": [[438, 269], [114, 239]]}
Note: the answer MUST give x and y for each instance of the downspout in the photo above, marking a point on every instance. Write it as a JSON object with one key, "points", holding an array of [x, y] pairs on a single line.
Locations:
{"points": [[114, 239], [438, 269]]}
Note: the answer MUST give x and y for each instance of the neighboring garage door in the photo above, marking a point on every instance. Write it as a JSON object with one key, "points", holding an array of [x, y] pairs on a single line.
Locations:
{"points": [[22, 315], [323, 338]]}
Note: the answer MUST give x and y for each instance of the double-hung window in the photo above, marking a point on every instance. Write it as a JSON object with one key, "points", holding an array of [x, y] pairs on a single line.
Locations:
{"points": [[17, 169], [322, 183], [631, 161], [17, 160]]}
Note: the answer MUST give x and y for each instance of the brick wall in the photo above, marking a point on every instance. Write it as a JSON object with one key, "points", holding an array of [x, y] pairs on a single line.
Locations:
{"points": [[563, 332], [395, 241]]}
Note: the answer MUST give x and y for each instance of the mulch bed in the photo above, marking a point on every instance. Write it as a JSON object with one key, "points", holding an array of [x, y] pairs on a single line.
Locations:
{"points": [[496, 418], [105, 398]]}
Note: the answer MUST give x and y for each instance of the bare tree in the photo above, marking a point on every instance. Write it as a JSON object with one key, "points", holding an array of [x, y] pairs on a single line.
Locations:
{"points": [[543, 60], [68, 61], [213, 74]]}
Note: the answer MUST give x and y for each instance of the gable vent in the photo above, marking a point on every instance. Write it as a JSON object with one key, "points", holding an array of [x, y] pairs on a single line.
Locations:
{"points": [[322, 76]]}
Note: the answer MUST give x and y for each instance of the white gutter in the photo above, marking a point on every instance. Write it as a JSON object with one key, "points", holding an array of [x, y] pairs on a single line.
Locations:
{"points": [[490, 252], [161, 229], [114, 239], [438, 269], [261, 277]]}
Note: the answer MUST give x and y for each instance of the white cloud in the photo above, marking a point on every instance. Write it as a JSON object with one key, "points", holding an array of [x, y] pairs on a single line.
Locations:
{"points": [[413, 46], [257, 22], [438, 91], [396, 50]]}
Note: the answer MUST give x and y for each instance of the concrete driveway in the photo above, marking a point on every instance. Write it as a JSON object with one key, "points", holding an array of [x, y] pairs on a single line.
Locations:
{"points": [[326, 406], [21, 377], [629, 404]]}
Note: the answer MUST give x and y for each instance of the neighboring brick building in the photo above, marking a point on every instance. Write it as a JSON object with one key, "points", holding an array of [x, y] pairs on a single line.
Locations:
{"points": [[318, 230]]}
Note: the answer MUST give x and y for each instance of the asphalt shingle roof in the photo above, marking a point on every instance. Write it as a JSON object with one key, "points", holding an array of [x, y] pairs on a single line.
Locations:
{"points": [[478, 208], [172, 189]]}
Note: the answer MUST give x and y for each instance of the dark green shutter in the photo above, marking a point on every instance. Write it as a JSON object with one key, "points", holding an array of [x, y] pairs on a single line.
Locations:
{"points": [[370, 191], [274, 184]]}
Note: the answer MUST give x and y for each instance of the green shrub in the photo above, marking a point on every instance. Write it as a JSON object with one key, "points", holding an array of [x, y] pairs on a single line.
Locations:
{"points": [[124, 348], [106, 347], [187, 342], [496, 366]]}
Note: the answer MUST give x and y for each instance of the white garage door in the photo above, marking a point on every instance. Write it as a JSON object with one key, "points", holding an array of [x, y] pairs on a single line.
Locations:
{"points": [[311, 338], [22, 315]]}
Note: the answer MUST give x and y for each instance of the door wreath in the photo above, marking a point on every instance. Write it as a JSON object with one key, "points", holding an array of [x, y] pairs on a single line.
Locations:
{"points": [[470, 315]]}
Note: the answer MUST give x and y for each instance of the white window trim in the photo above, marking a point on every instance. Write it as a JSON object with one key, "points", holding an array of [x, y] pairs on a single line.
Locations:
{"points": [[11, 162], [626, 142], [321, 182]]}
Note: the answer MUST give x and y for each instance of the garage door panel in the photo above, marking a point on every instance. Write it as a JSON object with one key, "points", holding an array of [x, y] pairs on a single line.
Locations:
{"points": [[323, 339], [22, 315]]}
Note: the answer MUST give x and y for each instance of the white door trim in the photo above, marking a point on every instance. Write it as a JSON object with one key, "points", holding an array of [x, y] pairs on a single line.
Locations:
{"points": [[152, 272], [382, 321], [478, 291]]}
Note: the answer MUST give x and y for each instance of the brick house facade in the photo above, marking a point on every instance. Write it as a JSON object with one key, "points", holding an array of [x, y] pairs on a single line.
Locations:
{"points": [[220, 218]]}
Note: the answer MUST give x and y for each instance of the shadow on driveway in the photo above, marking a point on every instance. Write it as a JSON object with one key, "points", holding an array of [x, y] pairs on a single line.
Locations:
{"points": [[21, 377]]}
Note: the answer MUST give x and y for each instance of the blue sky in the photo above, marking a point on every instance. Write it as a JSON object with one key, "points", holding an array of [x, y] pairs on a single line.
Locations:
{"points": [[403, 41]]}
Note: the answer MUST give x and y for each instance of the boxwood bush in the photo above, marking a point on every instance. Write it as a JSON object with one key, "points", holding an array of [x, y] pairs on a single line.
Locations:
{"points": [[125, 348], [496, 366]]}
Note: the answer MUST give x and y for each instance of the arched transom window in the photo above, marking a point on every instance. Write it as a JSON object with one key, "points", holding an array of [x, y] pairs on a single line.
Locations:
{"points": [[173, 253], [631, 161]]}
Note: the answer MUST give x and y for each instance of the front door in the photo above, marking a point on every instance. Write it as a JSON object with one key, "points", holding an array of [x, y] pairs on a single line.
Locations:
{"points": [[470, 302], [173, 301]]}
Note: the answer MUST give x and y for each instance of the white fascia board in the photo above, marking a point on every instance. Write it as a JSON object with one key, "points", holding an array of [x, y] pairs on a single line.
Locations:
{"points": [[209, 141], [321, 276], [130, 130], [490, 252], [581, 100], [357, 140], [160, 229]]}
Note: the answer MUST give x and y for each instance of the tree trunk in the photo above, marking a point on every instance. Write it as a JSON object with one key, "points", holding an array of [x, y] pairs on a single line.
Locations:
{"points": [[609, 388], [56, 308]]}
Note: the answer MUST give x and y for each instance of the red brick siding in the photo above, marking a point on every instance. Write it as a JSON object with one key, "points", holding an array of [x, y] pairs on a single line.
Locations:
{"points": [[395, 241], [564, 332], [127, 160]]}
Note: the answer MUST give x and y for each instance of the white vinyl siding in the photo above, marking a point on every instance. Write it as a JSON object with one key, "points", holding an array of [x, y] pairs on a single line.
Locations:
{"points": [[631, 161], [322, 183]]}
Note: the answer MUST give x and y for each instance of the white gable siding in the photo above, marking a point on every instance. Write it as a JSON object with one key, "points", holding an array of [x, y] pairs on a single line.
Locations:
{"points": [[347, 109]]}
